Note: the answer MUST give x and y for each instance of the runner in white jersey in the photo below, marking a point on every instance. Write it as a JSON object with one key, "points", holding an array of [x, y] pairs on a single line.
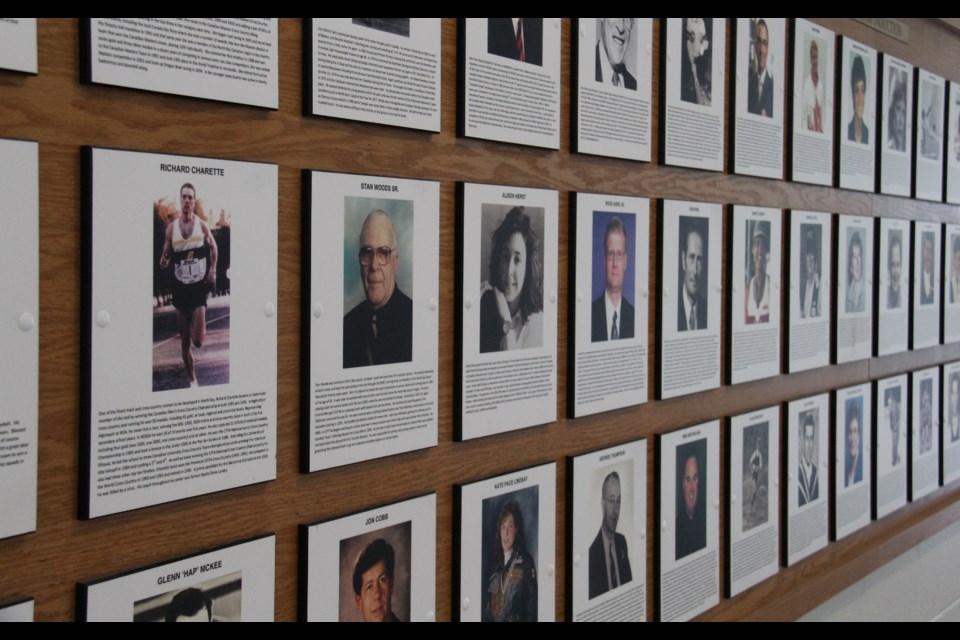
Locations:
{"points": [[190, 247]]}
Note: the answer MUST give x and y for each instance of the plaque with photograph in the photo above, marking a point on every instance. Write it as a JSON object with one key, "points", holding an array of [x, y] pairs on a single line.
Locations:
{"points": [[952, 151], [610, 290], [687, 508], [508, 80], [225, 59], [690, 297], [753, 311], [370, 317], [931, 92], [896, 126], [18, 44], [381, 562], [233, 583], [927, 280], [17, 611], [852, 474], [951, 423], [808, 308], [504, 531], [951, 287], [19, 336], [753, 499], [857, 116], [611, 112], [692, 65], [381, 70], [807, 435], [607, 560], [890, 453], [893, 294], [759, 60], [178, 389], [506, 314], [811, 121], [853, 320], [924, 432]]}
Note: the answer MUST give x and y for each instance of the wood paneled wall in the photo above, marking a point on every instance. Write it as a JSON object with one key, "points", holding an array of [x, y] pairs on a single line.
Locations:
{"points": [[56, 110]]}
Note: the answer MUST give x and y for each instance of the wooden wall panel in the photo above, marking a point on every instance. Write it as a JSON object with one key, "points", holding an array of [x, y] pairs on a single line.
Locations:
{"points": [[54, 109]]}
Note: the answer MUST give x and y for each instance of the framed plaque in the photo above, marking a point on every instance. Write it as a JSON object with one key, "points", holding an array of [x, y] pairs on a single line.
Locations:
{"points": [[753, 316], [504, 547], [370, 317], [853, 321], [607, 534], [179, 387], [689, 290], [951, 286], [687, 549], [610, 288], [928, 170], [924, 432], [807, 490], [811, 121], [233, 583], [225, 59], [893, 293], [692, 66], [508, 80], [506, 309], [856, 124], [380, 562], [18, 44], [890, 455], [896, 130], [927, 280], [951, 423], [381, 70], [809, 299], [852, 471], [753, 499], [611, 113], [19, 336], [759, 61]]}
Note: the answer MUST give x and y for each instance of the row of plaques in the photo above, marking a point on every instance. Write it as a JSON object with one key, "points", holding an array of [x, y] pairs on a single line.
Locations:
{"points": [[888, 445], [853, 117], [179, 391]]}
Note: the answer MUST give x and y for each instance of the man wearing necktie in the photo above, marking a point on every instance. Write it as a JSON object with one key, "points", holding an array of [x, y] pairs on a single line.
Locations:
{"points": [[609, 565], [379, 330], [611, 52], [691, 305], [760, 82], [516, 38], [612, 315]]}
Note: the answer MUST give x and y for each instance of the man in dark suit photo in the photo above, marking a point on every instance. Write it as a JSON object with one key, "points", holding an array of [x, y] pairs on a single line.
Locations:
{"points": [[612, 314], [516, 38], [691, 305], [609, 561], [691, 516], [612, 46], [760, 83]]}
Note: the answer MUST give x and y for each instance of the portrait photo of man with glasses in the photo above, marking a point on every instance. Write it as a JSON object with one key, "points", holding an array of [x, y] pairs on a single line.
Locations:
{"points": [[379, 330]]}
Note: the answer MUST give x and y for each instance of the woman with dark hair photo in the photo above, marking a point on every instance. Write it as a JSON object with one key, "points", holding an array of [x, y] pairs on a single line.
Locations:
{"points": [[511, 305], [512, 588]]}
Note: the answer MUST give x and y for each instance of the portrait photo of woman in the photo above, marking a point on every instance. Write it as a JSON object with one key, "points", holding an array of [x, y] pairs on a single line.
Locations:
{"points": [[510, 594], [511, 303]]}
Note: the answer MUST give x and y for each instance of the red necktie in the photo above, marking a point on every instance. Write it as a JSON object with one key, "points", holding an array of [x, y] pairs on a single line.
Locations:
{"points": [[520, 55]]}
